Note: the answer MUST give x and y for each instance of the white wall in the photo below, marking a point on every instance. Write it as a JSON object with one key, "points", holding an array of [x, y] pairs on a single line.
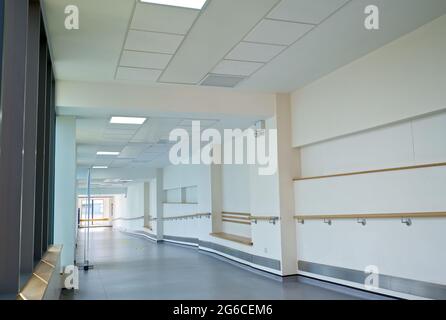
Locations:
{"points": [[242, 190], [403, 79], [235, 193], [83, 98], [413, 252], [384, 110], [65, 188], [235, 188], [129, 207]]}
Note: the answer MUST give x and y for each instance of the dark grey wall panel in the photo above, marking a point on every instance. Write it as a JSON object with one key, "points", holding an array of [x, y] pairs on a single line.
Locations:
{"points": [[30, 139], [181, 239], [407, 286], [258, 260], [40, 220], [11, 141], [250, 258]]}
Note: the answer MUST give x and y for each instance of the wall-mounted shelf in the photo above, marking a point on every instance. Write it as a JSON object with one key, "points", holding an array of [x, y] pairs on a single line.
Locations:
{"points": [[233, 238]]}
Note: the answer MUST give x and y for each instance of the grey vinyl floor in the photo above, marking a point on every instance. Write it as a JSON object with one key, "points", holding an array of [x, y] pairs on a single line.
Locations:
{"points": [[132, 268]]}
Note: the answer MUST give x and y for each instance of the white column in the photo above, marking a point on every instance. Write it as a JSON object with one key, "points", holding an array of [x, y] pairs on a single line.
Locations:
{"points": [[65, 188], [147, 212], [288, 168], [216, 196], [159, 204]]}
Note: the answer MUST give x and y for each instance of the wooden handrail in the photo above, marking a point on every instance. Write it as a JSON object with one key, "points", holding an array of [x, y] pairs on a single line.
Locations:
{"points": [[236, 217], [430, 165], [237, 214], [128, 219], [414, 215], [237, 221], [180, 202], [270, 219], [95, 220]]}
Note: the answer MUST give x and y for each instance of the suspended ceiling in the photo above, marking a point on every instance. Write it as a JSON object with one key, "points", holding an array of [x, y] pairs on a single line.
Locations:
{"points": [[261, 45]]}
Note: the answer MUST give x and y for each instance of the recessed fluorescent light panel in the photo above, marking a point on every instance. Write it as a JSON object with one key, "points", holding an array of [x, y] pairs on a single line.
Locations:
{"points": [[127, 120], [107, 153], [100, 167], [192, 4]]}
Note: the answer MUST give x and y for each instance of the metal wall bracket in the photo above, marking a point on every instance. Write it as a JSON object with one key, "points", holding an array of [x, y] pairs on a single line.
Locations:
{"points": [[301, 221], [362, 221], [327, 221], [406, 221]]}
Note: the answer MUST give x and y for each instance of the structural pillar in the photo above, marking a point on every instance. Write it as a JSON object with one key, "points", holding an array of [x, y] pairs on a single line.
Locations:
{"points": [[14, 27], [288, 168], [65, 188], [159, 204]]}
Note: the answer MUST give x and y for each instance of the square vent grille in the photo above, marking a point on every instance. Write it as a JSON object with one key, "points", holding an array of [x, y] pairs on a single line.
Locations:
{"points": [[219, 80]]}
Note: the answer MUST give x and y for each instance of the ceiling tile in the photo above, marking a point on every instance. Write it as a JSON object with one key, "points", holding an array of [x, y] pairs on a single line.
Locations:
{"points": [[116, 163], [278, 32], [254, 52], [204, 123], [147, 157], [306, 11], [137, 74], [116, 138], [152, 41], [240, 68], [221, 25], [101, 161], [158, 148], [133, 150], [159, 18], [138, 59]]}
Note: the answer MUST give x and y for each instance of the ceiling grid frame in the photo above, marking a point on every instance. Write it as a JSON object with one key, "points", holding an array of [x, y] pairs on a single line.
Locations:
{"points": [[129, 28], [287, 47]]}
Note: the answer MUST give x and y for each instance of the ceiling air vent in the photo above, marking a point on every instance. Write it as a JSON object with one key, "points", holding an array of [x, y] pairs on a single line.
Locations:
{"points": [[219, 80]]}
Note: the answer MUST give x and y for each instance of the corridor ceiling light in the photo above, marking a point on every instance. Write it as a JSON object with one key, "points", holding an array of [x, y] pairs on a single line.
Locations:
{"points": [[192, 4], [127, 120], [100, 167], [107, 153]]}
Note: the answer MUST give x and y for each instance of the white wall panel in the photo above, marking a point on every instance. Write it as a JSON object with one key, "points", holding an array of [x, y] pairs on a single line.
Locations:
{"points": [[401, 80], [235, 188], [393, 192], [243, 230], [390, 146], [414, 252], [430, 138]]}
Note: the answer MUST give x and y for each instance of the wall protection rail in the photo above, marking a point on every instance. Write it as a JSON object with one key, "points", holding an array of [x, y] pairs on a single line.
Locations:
{"points": [[128, 219], [269, 219], [421, 166], [236, 217], [187, 217], [406, 218]]}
